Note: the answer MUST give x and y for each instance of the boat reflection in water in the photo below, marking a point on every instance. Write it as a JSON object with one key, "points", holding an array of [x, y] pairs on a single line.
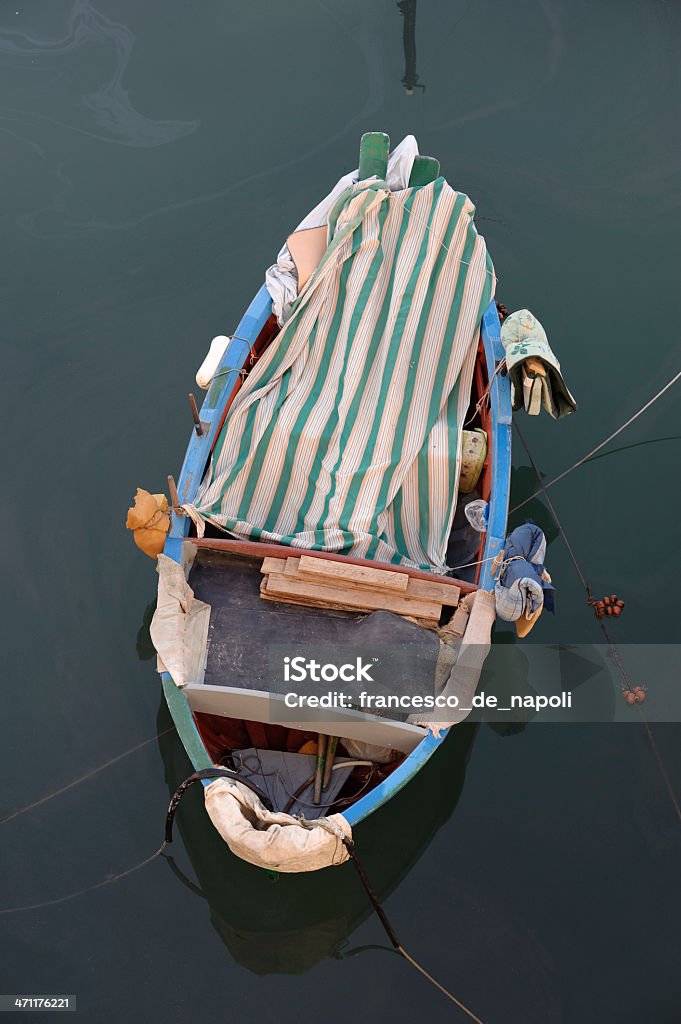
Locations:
{"points": [[288, 924]]}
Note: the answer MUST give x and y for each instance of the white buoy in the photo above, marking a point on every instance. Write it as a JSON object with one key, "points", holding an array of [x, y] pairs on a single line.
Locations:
{"points": [[209, 366]]}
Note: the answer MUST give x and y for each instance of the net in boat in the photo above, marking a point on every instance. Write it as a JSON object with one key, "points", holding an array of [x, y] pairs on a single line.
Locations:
{"points": [[346, 435]]}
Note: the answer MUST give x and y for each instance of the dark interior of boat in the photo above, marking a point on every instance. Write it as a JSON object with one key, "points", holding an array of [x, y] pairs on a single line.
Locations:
{"points": [[242, 626]]}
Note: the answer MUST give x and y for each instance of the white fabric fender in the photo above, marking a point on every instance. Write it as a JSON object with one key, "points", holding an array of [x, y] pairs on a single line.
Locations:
{"points": [[272, 839]]}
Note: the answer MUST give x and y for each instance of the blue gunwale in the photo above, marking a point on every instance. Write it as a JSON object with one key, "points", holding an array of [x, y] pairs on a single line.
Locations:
{"points": [[198, 451], [500, 405]]}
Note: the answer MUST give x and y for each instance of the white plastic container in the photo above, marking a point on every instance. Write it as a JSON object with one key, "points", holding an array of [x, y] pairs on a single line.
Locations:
{"points": [[210, 364], [473, 455]]}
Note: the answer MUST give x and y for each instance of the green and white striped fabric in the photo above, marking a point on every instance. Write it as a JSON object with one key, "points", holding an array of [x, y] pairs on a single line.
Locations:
{"points": [[345, 436]]}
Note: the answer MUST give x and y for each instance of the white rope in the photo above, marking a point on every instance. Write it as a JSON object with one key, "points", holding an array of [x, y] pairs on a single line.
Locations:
{"points": [[598, 447]]}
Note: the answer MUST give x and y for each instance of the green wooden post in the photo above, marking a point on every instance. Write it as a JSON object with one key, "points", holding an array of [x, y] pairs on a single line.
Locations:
{"points": [[425, 169], [373, 155]]}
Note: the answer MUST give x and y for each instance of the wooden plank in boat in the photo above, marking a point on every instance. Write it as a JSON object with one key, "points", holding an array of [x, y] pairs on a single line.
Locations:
{"points": [[350, 597], [310, 602], [303, 602], [421, 590], [425, 590], [270, 564], [326, 571], [332, 574]]}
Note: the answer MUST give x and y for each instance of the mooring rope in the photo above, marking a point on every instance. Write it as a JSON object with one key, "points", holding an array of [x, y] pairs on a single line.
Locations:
{"points": [[589, 455], [391, 933], [625, 682], [83, 778], [213, 773], [542, 488], [109, 880]]}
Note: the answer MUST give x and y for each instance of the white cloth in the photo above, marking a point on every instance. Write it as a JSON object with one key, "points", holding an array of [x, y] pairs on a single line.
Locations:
{"points": [[282, 278], [523, 336], [179, 628], [272, 839]]}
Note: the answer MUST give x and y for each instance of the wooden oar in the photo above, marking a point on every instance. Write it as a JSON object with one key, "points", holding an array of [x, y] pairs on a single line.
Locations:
{"points": [[321, 765], [330, 757]]}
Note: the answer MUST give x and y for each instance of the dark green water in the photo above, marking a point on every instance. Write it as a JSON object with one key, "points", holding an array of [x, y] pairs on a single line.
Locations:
{"points": [[154, 156]]}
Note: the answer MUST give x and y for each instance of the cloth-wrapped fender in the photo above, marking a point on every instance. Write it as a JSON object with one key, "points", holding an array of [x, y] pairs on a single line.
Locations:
{"points": [[272, 839]]}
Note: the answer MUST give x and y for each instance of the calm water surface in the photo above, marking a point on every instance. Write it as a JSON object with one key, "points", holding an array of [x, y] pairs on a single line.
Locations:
{"points": [[154, 156]]}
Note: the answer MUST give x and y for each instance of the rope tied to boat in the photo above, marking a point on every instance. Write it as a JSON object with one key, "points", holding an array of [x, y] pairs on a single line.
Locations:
{"points": [[109, 880], [392, 934], [632, 694], [388, 928], [482, 403], [199, 776], [543, 486], [349, 845], [206, 773]]}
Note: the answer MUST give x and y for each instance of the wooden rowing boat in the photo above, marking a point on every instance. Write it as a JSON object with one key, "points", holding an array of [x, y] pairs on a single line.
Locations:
{"points": [[223, 710], [347, 439]]}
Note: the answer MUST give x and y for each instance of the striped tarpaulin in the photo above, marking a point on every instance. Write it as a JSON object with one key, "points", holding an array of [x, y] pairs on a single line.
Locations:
{"points": [[345, 436]]}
